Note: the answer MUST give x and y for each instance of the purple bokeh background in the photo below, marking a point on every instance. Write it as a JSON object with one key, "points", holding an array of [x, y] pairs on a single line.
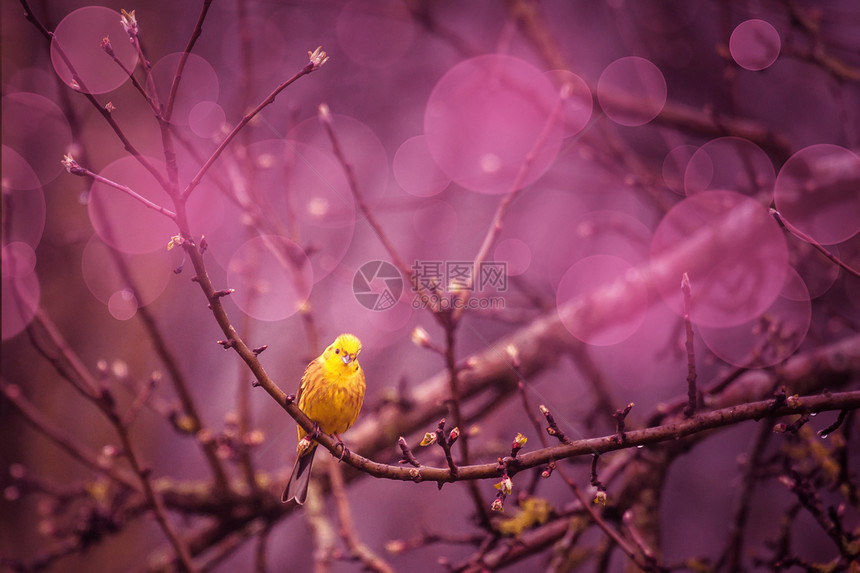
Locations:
{"points": [[413, 106]]}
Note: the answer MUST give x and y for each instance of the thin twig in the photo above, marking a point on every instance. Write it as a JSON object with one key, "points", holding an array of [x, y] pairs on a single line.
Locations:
{"points": [[517, 187], [311, 66], [127, 145], [153, 498], [106, 46], [177, 77], [806, 238], [692, 394], [326, 120], [74, 168], [610, 531]]}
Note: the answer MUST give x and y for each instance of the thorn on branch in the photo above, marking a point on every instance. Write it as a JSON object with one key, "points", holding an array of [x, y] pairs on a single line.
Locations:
{"points": [[552, 428], [445, 443], [227, 344], [620, 418], [289, 399], [408, 456], [223, 293], [260, 349], [779, 398], [550, 467]]}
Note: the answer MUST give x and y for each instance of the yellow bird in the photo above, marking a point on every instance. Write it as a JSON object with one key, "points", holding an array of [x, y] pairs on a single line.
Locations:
{"points": [[331, 394]]}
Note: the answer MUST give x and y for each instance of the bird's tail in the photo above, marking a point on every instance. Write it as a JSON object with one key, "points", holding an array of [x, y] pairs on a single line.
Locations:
{"points": [[297, 487]]}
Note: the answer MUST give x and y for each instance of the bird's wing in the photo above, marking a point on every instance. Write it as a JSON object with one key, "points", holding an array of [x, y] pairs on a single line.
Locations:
{"points": [[314, 366]]}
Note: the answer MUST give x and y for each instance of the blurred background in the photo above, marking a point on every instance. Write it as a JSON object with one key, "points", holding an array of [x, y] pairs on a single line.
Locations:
{"points": [[617, 129]]}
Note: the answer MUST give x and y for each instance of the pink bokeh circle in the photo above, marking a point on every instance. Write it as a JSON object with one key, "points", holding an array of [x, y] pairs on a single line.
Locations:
{"points": [[579, 103], [150, 273], [631, 91], [123, 222], [730, 163], [122, 304], [416, 171], [19, 260], [272, 277], [207, 119], [769, 338], [359, 144], [733, 251], [817, 271], [516, 255], [305, 185], [754, 44], [77, 44], [20, 300], [817, 192], [24, 209], [555, 209], [675, 167], [601, 233], [375, 33], [33, 79], [486, 115], [199, 83], [435, 221], [36, 127], [614, 300]]}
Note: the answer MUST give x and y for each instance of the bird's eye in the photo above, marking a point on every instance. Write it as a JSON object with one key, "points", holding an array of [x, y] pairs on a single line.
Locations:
{"points": [[337, 351]]}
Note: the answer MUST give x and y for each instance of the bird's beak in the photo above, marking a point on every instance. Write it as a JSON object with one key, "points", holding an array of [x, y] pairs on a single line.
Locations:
{"points": [[346, 358]]}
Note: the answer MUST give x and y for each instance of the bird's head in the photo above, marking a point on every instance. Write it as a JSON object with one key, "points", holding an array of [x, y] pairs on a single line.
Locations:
{"points": [[341, 356]]}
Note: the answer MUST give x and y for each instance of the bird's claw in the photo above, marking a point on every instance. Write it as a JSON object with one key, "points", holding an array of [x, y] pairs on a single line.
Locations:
{"points": [[343, 449]]}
